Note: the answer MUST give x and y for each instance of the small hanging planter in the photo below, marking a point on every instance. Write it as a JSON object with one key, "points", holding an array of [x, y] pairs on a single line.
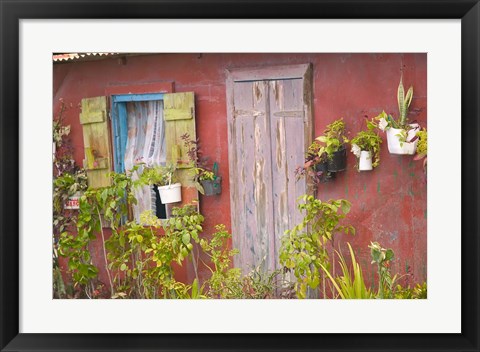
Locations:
{"points": [[163, 177], [365, 161], [401, 136], [212, 187], [208, 182], [338, 161], [366, 148], [170, 193], [326, 154], [325, 175], [395, 143]]}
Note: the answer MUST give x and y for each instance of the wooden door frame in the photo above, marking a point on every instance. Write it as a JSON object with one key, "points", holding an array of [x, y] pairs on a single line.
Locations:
{"points": [[283, 72]]}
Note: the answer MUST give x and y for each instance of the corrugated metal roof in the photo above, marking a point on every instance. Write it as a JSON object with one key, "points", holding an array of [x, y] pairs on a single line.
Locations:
{"points": [[78, 56]]}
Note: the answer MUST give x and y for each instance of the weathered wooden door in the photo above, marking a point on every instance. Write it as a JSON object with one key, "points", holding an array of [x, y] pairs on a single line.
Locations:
{"points": [[270, 127]]}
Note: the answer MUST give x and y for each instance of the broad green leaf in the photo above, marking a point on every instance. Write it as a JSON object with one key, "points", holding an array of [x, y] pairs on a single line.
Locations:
{"points": [[186, 238]]}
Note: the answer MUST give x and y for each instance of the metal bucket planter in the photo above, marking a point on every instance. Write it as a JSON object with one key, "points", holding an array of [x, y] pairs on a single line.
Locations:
{"points": [[212, 187], [170, 193], [365, 161], [326, 174], [405, 148], [338, 162]]}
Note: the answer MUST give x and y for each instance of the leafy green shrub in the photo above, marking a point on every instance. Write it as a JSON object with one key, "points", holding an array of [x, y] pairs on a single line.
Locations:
{"points": [[303, 249], [225, 281], [419, 291], [143, 259]]}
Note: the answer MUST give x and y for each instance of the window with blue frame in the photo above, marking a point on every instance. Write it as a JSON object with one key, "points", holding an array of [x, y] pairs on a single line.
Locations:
{"points": [[139, 137]]}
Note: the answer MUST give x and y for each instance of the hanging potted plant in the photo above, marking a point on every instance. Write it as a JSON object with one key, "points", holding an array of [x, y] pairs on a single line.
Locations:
{"points": [[401, 135], [206, 181], [211, 183], [322, 170], [163, 177], [366, 147], [316, 165], [333, 141]]}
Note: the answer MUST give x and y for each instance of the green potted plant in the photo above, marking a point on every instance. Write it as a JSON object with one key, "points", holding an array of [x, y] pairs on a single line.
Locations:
{"points": [[211, 184], [206, 180], [401, 135], [333, 144], [366, 147], [163, 177], [316, 164]]}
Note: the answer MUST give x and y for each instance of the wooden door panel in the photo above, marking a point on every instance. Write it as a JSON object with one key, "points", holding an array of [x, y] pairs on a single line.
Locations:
{"points": [[253, 187], [270, 127], [288, 148]]}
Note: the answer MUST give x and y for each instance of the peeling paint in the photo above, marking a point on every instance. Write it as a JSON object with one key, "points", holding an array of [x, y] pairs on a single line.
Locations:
{"points": [[257, 92], [280, 146]]}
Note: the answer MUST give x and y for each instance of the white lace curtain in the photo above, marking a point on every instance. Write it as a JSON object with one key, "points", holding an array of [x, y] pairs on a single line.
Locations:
{"points": [[145, 143]]}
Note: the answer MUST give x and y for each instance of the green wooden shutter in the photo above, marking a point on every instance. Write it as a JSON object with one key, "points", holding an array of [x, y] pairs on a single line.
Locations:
{"points": [[179, 114], [96, 140]]}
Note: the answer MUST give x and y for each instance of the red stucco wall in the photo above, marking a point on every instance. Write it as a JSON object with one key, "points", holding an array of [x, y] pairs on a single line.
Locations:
{"points": [[388, 204]]}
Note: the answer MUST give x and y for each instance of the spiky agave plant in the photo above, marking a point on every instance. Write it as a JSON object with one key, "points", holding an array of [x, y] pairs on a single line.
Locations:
{"points": [[403, 102]]}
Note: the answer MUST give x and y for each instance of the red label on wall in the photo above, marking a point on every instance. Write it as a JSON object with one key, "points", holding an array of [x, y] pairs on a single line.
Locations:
{"points": [[72, 203]]}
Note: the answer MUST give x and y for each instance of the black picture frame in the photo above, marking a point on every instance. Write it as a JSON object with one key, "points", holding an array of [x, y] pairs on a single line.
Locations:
{"points": [[12, 11]]}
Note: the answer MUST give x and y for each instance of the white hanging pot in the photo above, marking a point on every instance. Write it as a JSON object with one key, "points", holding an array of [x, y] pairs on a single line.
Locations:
{"points": [[170, 193], [365, 161], [405, 148]]}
